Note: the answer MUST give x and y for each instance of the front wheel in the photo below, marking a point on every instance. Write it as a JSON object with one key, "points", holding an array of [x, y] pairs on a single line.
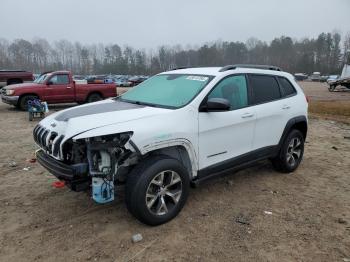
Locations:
{"points": [[23, 102], [157, 189], [291, 152]]}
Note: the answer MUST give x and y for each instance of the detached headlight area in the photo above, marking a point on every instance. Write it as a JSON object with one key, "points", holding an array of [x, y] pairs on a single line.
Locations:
{"points": [[103, 159]]}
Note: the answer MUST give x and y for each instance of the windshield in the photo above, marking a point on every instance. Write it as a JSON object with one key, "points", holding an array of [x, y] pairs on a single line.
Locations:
{"points": [[168, 90], [41, 79]]}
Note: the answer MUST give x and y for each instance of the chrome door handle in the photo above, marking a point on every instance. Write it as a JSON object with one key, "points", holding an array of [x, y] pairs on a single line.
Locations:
{"points": [[286, 107], [68, 87], [246, 115]]}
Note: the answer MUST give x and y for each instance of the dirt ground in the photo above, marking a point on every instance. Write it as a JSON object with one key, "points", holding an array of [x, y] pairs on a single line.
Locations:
{"points": [[223, 220], [319, 92]]}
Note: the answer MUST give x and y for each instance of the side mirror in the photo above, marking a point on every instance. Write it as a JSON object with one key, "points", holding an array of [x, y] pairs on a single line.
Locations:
{"points": [[215, 104], [49, 82]]}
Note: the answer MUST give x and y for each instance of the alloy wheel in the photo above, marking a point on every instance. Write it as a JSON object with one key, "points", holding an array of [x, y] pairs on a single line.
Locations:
{"points": [[164, 192], [294, 151]]}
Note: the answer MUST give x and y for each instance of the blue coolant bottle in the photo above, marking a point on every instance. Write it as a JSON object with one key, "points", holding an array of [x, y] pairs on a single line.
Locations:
{"points": [[102, 190]]}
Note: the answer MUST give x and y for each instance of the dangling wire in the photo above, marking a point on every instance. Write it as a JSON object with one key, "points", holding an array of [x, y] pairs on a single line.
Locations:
{"points": [[106, 187]]}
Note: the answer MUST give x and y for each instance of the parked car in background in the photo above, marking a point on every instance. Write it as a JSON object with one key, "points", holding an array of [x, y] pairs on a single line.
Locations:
{"points": [[323, 78], [137, 80], [122, 82], [316, 76], [56, 87], [79, 77], [99, 79], [11, 77], [332, 78], [300, 76]]}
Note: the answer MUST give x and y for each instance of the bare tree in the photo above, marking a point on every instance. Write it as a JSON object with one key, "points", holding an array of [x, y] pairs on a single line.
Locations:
{"points": [[323, 53]]}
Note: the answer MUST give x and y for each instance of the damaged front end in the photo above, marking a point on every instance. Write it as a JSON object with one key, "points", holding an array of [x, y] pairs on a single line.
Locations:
{"points": [[98, 163]]}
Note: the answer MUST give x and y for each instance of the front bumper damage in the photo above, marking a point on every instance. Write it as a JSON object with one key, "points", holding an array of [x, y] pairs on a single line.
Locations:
{"points": [[75, 176], [96, 163]]}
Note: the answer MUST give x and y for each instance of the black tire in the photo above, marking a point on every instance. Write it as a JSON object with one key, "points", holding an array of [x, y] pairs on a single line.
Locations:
{"points": [[94, 98], [284, 161], [331, 88], [139, 182], [23, 102]]}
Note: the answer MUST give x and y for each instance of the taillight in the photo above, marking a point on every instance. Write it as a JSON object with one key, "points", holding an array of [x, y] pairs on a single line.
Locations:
{"points": [[307, 99]]}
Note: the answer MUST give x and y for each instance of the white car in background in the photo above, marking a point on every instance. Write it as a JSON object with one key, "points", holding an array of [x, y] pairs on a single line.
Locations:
{"points": [[175, 129], [332, 78], [316, 77]]}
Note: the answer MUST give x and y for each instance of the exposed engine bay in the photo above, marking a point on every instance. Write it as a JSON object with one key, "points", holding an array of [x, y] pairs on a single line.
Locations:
{"points": [[102, 162]]}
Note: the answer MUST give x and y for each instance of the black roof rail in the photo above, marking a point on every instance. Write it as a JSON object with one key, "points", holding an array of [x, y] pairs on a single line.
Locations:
{"points": [[265, 67], [180, 67]]}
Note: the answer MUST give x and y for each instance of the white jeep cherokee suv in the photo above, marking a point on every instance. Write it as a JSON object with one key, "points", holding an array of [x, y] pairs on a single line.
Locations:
{"points": [[176, 129]]}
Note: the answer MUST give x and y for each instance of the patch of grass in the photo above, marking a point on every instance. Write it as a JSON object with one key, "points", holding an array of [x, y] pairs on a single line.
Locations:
{"points": [[334, 110], [339, 108]]}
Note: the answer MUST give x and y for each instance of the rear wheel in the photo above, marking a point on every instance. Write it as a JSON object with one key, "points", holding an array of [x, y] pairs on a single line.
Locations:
{"points": [[291, 152], [23, 102], [94, 97], [157, 189]]}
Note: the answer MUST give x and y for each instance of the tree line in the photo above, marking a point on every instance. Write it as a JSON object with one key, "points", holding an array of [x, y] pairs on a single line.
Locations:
{"points": [[325, 53]]}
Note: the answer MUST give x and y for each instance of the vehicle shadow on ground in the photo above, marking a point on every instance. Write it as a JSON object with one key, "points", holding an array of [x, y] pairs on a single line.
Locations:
{"points": [[87, 210], [259, 169]]}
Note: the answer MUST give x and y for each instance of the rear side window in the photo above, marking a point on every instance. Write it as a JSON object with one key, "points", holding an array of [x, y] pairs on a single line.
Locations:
{"points": [[265, 88], [287, 88]]}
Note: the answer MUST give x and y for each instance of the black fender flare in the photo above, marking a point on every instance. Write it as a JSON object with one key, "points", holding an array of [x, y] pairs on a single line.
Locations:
{"points": [[293, 122]]}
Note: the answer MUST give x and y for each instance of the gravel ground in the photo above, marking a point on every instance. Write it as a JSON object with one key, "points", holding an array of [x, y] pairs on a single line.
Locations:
{"points": [[319, 92]]}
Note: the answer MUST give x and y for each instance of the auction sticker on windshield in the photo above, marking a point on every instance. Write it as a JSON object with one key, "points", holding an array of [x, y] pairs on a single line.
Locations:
{"points": [[197, 78]]}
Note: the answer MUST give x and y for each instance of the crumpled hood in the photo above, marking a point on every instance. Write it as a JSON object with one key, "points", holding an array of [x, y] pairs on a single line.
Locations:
{"points": [[22, 86], [79, 119]]}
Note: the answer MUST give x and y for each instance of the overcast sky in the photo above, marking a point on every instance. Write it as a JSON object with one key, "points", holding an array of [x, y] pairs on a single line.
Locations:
{"points": [[151, 23]]}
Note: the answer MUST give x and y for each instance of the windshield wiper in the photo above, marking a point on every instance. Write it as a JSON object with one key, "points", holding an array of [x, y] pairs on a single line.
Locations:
{"points": [[144, 103], [136, 102]]}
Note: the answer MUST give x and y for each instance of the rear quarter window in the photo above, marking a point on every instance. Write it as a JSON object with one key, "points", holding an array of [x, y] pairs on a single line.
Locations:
{"points": [[287, 87], [265, 88]]}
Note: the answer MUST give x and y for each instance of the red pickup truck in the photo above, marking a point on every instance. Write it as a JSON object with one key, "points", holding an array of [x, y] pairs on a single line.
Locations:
{"points": [[10, 77], [56, 87]]}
